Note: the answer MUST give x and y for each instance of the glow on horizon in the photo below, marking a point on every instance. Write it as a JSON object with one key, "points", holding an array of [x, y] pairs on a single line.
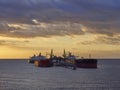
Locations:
{"points": [[28, 27], [21, 49]]}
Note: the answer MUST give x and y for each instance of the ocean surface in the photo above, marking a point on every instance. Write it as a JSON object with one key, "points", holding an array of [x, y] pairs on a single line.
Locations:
{"points": [[20, 75]]}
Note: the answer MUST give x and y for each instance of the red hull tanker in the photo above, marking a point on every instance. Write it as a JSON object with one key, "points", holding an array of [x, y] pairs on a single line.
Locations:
{"points": [[43, 63]]}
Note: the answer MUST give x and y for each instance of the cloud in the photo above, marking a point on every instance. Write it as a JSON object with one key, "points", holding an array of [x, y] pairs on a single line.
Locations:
{"points": [[14, 43], [110, 40], [2, 42], [47, 18], [41, 29], [51, 10]]}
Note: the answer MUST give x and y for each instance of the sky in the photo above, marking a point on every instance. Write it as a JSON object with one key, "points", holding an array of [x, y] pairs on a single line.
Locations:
{"points": [[83, 27]]}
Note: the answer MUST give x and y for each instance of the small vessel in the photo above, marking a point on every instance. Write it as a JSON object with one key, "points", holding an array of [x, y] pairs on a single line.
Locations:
{"points": [[69, 60]]}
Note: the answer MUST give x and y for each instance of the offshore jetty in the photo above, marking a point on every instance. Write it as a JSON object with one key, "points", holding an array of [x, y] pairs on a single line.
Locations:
{"points": [[66, 60]]}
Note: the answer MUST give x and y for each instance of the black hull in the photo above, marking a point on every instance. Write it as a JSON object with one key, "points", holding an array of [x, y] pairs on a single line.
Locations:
{"points": [[86, 63]]}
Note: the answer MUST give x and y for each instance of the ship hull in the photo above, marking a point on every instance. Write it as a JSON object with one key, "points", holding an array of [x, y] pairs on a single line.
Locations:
{"points": [[43, 63], [31, 61], [86, 63]]}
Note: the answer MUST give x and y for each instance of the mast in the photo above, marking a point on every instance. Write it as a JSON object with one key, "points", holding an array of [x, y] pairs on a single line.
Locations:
{"points": [[64, 53], [40, 54], [51, 54], [89, 56]]}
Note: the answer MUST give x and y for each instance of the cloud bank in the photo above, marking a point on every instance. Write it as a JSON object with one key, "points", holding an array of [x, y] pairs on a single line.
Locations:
{"points": [[48, 18]]}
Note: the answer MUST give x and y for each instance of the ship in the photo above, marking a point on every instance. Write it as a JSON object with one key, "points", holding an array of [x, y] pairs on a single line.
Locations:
{"points": [[41, 60], [32, 59], [86, 63], [36, 58], [80, 62], [69, 60], [43, 63], [66, 60]]}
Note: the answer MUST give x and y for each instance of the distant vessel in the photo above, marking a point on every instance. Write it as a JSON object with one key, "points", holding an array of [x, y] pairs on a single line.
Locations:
{"points": [[67, 60], [32, 59], [41, 61], [36, 58], [86, 63], [81, 63]]}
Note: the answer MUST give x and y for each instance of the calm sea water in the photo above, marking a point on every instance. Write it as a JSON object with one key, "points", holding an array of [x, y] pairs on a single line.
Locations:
{"points": [[20, 75]]}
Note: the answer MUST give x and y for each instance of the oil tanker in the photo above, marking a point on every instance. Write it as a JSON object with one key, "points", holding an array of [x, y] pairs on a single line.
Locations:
{"points": [[41, 61], [80, 62], [86, 63]]}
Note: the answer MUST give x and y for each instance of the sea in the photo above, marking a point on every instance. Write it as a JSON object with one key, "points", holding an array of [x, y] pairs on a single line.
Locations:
{"points": [[21, 75]]}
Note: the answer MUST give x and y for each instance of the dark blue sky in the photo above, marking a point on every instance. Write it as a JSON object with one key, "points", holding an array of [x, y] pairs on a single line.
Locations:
{"points": [[55, 9]]}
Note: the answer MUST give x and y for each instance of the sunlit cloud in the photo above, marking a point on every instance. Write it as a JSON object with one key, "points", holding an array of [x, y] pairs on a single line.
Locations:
{"points": [[103, 39], [42, 29], [100, 17], [77, 23], [35, 21], [14, 42]]}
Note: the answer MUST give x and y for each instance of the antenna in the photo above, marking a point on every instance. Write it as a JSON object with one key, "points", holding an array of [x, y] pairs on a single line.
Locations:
{"points": [[64, 53], [40, 54], [51, 54], [89, 55], [70, 54], [34, 55]]}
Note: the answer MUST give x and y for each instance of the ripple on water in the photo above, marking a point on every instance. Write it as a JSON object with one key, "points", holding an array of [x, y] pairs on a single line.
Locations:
{"points": [[19, 75]]}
